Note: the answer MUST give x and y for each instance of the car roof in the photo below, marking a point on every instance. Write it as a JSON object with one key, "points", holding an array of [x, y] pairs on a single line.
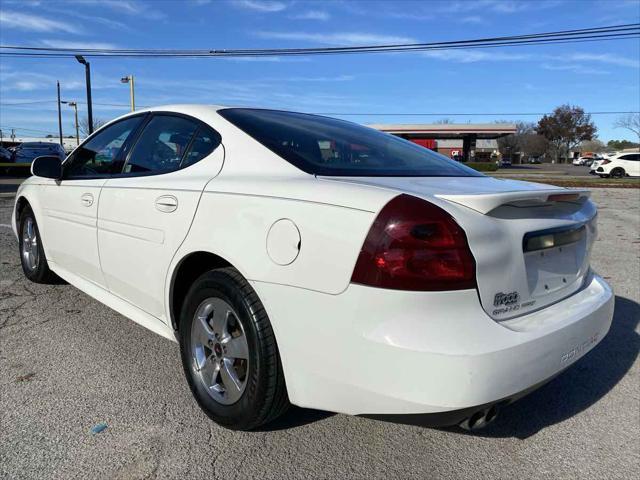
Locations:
{"points": [[39, 144]]}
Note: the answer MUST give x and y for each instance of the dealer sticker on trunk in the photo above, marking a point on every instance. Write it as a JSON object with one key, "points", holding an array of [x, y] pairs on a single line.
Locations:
{"points": [[508, 302]]}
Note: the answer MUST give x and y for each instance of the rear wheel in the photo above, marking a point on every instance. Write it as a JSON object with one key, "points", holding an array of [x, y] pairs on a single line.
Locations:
{"points": [[34, 263], [229, 353], [618, 173]]}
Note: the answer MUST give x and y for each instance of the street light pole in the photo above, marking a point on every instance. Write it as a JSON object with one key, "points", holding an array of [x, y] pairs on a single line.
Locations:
{"points": [[87, 71], [130, 80], [75, 108], [59, 117]]}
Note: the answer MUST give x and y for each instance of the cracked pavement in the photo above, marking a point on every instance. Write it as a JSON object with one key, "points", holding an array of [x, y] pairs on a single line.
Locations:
{"points": [[68, 363]]}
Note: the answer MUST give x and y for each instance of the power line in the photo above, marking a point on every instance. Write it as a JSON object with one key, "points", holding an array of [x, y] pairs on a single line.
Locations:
{"points": [[613, 32], [15, 104], [6, 127]]}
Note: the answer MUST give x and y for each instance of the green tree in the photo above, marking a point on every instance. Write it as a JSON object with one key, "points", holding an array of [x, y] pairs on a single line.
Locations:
{"points": [[565, 128], [621, 144]]}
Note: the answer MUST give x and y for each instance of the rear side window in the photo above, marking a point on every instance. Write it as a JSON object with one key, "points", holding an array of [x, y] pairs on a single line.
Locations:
{"points": [[161, 145], [204, 142], [332, 147], [632, 157], [168, 143]]}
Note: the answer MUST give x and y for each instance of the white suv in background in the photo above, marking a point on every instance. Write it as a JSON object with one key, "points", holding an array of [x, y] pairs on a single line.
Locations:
{"points": [[620, 166]]}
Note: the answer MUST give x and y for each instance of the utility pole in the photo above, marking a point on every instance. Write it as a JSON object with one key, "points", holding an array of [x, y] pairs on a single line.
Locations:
{"points": [[87, 72], [129, 79], [60, 117]]}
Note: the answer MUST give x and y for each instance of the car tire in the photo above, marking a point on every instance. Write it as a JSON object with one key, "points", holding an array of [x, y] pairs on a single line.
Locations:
{"points": [[618, 173], [32, 257], [229, 352]]}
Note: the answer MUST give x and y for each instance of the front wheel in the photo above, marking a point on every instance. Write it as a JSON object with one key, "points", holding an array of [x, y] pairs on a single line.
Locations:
{"points": [[229, 352], [32, 258]]}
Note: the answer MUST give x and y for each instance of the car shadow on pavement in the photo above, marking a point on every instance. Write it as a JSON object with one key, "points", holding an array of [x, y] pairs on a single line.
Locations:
{"points": [[295, 417], [573, 391]]}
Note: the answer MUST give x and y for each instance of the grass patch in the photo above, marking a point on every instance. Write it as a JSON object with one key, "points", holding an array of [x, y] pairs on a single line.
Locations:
{"points": [[587, 182], [483, 166]]}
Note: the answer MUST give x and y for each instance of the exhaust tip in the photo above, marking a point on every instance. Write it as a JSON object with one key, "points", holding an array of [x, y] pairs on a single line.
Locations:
{"points": [[480, 419]]}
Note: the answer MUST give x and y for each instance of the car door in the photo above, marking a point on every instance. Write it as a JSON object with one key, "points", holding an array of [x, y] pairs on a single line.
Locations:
{"points": [[70, 206], [145, 212], [631, 164]]}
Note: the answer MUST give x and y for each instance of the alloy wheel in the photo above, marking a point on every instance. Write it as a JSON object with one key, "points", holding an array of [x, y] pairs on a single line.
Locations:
{"points": [[219, 351], [30, 252]]}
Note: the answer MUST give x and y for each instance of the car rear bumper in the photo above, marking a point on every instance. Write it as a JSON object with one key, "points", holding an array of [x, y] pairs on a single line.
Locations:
{"points": [[372, 351]]}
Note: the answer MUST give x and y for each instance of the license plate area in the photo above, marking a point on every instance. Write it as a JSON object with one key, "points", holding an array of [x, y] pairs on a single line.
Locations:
{"points": [[549, 268]]}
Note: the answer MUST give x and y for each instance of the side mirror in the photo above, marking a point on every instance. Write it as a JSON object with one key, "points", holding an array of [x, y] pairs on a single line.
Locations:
{"points": [[47, 166]]}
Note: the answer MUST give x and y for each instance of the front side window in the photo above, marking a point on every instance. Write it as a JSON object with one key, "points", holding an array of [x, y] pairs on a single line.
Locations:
{"points": [[327, 146], [98, 156], [161, 146]]}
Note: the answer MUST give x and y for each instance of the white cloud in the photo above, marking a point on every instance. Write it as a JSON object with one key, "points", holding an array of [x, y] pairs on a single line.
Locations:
{"points": [[497, 6], [338, 78], [337, 38], [575, 68], [560, 62], [267, 59], [128, 7], [608, 58], [78, 45], [473, 19], [34, 23], [261, 6], [312, 15], [471, 56]]}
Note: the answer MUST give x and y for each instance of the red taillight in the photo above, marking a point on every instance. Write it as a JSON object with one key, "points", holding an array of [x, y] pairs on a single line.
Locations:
{"points": [[415, 245], [604, 162]]}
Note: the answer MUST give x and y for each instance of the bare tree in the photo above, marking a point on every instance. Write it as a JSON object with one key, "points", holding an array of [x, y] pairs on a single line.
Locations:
{"points": [[83, 125], [594, 146], [631, 121], [519, 141]]}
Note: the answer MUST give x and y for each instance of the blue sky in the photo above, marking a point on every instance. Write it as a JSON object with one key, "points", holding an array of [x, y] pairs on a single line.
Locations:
{"points": [[603, 76]]}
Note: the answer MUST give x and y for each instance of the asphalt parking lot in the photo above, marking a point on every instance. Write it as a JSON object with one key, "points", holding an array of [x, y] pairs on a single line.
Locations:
{"points": [[68, 363]]}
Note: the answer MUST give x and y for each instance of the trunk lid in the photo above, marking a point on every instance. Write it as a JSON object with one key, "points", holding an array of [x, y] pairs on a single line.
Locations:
{"points": [[531, 242]]}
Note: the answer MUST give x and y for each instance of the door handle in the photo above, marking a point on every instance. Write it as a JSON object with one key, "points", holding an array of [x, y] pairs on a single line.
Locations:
{"points": [[167, 203], [86, 199]]}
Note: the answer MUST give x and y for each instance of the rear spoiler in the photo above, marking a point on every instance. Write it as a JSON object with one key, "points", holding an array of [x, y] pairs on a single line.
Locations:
{"points": [[486, 202]]}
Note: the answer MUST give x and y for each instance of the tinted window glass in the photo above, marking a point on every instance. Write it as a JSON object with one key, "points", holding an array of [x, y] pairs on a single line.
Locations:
{"points": [[161, 145], [205, 142], [630, 157], [327, 146], [97, 156]]}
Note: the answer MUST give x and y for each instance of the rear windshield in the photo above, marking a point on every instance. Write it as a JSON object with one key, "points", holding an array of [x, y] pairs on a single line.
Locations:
{"points": [[332, 147]]}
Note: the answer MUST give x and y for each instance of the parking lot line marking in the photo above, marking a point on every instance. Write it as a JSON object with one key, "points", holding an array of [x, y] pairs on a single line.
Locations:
{"points": [[5, 225]]}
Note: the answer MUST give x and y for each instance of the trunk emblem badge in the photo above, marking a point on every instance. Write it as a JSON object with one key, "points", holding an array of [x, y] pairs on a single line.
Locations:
{"points": [[505, 298]]}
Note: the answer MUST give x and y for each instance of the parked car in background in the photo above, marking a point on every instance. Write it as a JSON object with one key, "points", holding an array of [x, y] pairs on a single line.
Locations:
{"points": [[5, 155], [304, 259], [28, 151], [504, 162], [534, 160], [580, 161], [619, 166]]}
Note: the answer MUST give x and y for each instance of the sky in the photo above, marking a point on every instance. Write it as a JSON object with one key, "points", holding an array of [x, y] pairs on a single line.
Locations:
{"points": [[602, 76]]}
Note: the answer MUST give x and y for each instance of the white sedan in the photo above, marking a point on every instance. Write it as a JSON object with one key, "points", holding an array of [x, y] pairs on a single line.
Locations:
{"points": [[306, 260]]}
